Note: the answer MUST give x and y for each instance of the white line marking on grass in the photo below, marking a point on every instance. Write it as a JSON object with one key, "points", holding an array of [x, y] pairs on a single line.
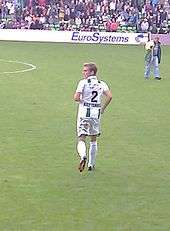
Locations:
{"points": [[31, 67]]}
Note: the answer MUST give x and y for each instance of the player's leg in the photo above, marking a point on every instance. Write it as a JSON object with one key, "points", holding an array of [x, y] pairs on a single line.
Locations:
{"points": [[81, 149], [92, 152], [81, 146], [94, 132], [83, 126]]}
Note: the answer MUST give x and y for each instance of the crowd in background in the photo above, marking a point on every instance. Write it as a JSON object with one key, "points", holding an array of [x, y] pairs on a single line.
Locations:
{"points": [[87, 15]]}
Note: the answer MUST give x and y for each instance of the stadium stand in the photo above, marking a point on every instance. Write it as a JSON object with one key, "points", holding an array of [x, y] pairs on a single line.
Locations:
{"points": [[87, 15]]}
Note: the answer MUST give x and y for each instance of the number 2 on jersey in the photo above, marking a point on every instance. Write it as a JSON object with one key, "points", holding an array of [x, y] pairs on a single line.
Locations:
{"points": [[94, 95]]}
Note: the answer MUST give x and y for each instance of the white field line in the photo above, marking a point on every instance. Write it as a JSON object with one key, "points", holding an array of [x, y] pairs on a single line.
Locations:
{"points": [[30, 67]]}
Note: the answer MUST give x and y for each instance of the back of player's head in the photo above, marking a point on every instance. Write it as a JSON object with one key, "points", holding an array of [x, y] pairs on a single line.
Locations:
{"points": [[92, 67]]}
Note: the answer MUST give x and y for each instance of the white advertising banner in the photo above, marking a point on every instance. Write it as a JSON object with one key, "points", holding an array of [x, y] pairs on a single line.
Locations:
{"points": [[73, 36], [108, 38]]}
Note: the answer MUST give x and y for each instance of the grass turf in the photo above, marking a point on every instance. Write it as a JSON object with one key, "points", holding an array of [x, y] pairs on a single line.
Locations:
{"points": [[40, 186]]}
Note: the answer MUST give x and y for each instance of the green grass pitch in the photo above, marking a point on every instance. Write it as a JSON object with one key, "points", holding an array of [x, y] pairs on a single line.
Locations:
{"points": [[40, 186]]}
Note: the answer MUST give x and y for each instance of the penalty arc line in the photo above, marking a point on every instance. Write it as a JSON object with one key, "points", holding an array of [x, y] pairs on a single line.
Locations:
{"points": [[32, 67]]}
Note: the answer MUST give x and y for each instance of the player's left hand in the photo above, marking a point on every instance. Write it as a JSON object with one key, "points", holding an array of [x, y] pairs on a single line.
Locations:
{"points": [[102, 110]]}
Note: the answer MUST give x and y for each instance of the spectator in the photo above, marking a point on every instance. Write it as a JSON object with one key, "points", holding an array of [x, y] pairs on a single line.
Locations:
{"points": [[112, 7], [69, 12], [113, 26], [78, 21], [161, 30], [145, 25], [154, 2], [154, 29], [108, 25]]}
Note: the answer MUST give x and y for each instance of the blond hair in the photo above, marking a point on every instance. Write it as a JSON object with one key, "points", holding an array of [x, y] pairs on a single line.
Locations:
{"points": [[92, 67]]}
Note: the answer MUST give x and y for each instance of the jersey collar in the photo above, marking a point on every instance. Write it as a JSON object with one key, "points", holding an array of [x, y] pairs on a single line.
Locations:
{"points": [[92, 77]]}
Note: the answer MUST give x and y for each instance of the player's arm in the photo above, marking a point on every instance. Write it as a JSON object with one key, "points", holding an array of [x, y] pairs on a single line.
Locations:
{"points": [[78, 93], [77, 96], [108, 98]]}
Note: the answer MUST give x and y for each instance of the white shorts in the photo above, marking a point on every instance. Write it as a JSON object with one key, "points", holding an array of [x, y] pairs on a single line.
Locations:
{"points": [[88, 126]]}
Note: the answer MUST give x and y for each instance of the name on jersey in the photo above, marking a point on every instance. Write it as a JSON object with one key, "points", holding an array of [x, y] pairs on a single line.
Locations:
{"points": [[92, 104]]}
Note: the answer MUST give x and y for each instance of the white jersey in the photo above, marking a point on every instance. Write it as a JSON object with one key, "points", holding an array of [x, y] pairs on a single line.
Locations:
{"points": [[91, 90]]}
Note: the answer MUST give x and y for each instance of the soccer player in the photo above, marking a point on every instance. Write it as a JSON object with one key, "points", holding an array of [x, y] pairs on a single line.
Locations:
{"points": [[89, 94]]}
